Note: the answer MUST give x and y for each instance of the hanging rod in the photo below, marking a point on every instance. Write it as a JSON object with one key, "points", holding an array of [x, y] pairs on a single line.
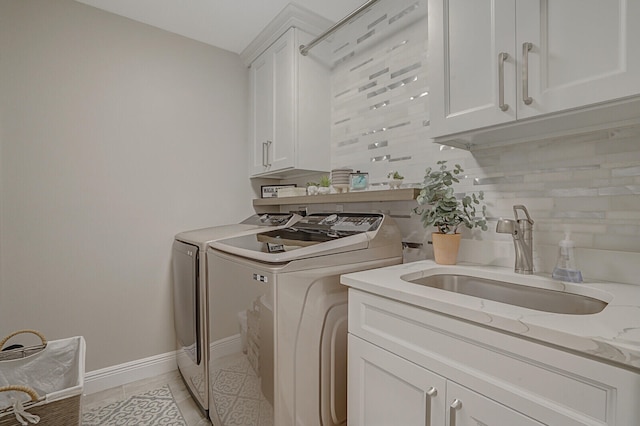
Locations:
{"points": [[304, 49]]}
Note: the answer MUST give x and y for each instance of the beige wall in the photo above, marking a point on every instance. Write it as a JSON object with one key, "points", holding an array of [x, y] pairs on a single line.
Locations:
{"points": [[114, 136]]}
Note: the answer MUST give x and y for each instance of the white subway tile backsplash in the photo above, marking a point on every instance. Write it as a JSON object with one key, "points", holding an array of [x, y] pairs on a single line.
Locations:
{"points": [[624, 215], [626, 202], [622, 159], [573, 192], [553, 238], [619, 190], [626, 171], [582, 204], [614, 146], [533, 204], [623, 229], [603, 183], [617, 242], [582, 229], [497, 180], [577, 215], [588, 174]]}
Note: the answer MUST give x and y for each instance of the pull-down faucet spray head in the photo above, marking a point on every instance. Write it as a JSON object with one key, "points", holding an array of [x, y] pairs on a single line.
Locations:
{"points": [[522, 232], [506, 226]]}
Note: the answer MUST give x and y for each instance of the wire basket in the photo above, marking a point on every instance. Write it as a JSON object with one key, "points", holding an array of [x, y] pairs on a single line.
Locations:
{"points": [[33, 392]]}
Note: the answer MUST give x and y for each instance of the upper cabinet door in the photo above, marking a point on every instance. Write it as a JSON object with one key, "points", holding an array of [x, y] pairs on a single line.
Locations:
{"points": [[285, 102], [261, 127], [473, 56], [273, 106], [582, 52]]}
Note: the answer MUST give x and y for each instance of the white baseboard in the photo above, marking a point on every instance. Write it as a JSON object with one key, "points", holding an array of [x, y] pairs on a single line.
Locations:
{"points": [[118, 375], [121, 374]]}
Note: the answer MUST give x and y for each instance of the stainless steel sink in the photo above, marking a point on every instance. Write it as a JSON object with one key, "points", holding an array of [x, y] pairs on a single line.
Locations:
{"points": [[540, 299]]}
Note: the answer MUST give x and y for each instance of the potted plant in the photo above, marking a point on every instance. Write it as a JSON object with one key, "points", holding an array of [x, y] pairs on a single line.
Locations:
{"points": [[312, 188], [447, 213], [395, 179], [324, 183]]}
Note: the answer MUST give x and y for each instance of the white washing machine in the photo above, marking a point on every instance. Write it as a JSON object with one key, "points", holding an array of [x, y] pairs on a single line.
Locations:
{"points": [[292, 371], [190, 295]]}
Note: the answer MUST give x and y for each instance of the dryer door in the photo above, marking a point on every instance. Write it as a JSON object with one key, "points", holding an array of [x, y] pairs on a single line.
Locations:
{"points": [[186, 300]]}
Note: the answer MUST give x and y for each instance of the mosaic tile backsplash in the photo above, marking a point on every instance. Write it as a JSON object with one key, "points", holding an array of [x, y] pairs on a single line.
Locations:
{"points": [[379, 89], [587, 183]]}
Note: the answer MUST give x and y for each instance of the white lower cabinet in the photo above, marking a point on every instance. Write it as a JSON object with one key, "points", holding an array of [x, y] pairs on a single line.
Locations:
{"points": [[387, 390], [411, 366], [468, 408]]}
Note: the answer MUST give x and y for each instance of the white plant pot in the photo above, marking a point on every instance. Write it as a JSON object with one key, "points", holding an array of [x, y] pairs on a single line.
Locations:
{"points": [[395, 183]]}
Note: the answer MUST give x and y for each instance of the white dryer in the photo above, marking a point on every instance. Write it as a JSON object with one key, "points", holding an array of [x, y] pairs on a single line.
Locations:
{"points": [[293, 370], [189, 267]]}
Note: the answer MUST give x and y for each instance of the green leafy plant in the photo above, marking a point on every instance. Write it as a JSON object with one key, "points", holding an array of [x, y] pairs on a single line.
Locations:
{"points": [[442, 209], [395, 175], [325, 181]]}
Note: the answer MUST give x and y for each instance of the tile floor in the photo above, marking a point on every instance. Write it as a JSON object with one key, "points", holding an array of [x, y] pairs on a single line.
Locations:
{"points": [[187, 406]]}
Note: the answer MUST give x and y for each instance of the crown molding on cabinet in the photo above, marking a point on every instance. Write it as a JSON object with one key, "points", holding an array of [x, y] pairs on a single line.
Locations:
{"points": [[291, 16]]}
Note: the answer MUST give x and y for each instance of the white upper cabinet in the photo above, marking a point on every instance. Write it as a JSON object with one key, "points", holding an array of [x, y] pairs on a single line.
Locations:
{"points": [[470, 46], [290, 128], [272, 107], [502, 61], [583, 52], [261, 111]]}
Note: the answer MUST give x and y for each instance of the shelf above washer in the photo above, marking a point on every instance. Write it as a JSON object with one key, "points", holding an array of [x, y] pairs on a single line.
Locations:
{"points": [[402, 194]]}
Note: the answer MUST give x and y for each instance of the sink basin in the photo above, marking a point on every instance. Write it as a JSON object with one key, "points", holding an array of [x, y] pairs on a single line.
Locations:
{"points": [[540, 299]]}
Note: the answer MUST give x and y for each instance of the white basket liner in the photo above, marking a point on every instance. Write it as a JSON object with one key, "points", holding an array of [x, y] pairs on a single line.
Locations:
{"points": [[56, 372]]}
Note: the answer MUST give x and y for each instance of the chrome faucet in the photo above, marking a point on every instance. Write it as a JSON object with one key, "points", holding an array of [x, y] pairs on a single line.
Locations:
{"points": [[522, 232]]}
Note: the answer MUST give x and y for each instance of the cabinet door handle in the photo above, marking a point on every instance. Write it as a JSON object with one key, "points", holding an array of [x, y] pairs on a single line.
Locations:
{"points": [[502, 56], [526, 47], [268, 146], [455, 406], [265, 153], [430, 394]]}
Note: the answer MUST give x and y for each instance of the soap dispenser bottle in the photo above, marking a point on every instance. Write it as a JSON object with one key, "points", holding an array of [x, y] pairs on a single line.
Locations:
{"points": [[565, 269]]}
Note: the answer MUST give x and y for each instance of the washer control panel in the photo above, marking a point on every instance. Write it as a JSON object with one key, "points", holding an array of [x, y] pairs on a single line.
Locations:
{"points": [[343, 222]]}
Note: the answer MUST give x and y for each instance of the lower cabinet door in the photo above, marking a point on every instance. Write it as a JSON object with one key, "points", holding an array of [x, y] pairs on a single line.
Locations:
{"points": [[386, 390], [468, 408]]}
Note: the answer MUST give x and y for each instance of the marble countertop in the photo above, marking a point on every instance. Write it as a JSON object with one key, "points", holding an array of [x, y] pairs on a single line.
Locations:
{"points": [[612, 335]]}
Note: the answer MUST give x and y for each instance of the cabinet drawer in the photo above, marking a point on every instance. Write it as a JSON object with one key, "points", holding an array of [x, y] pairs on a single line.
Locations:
{"points": [[475, 356]]}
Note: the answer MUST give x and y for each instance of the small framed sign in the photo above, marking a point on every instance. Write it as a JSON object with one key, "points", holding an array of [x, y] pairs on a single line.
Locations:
{"points": [[271, 191]]}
